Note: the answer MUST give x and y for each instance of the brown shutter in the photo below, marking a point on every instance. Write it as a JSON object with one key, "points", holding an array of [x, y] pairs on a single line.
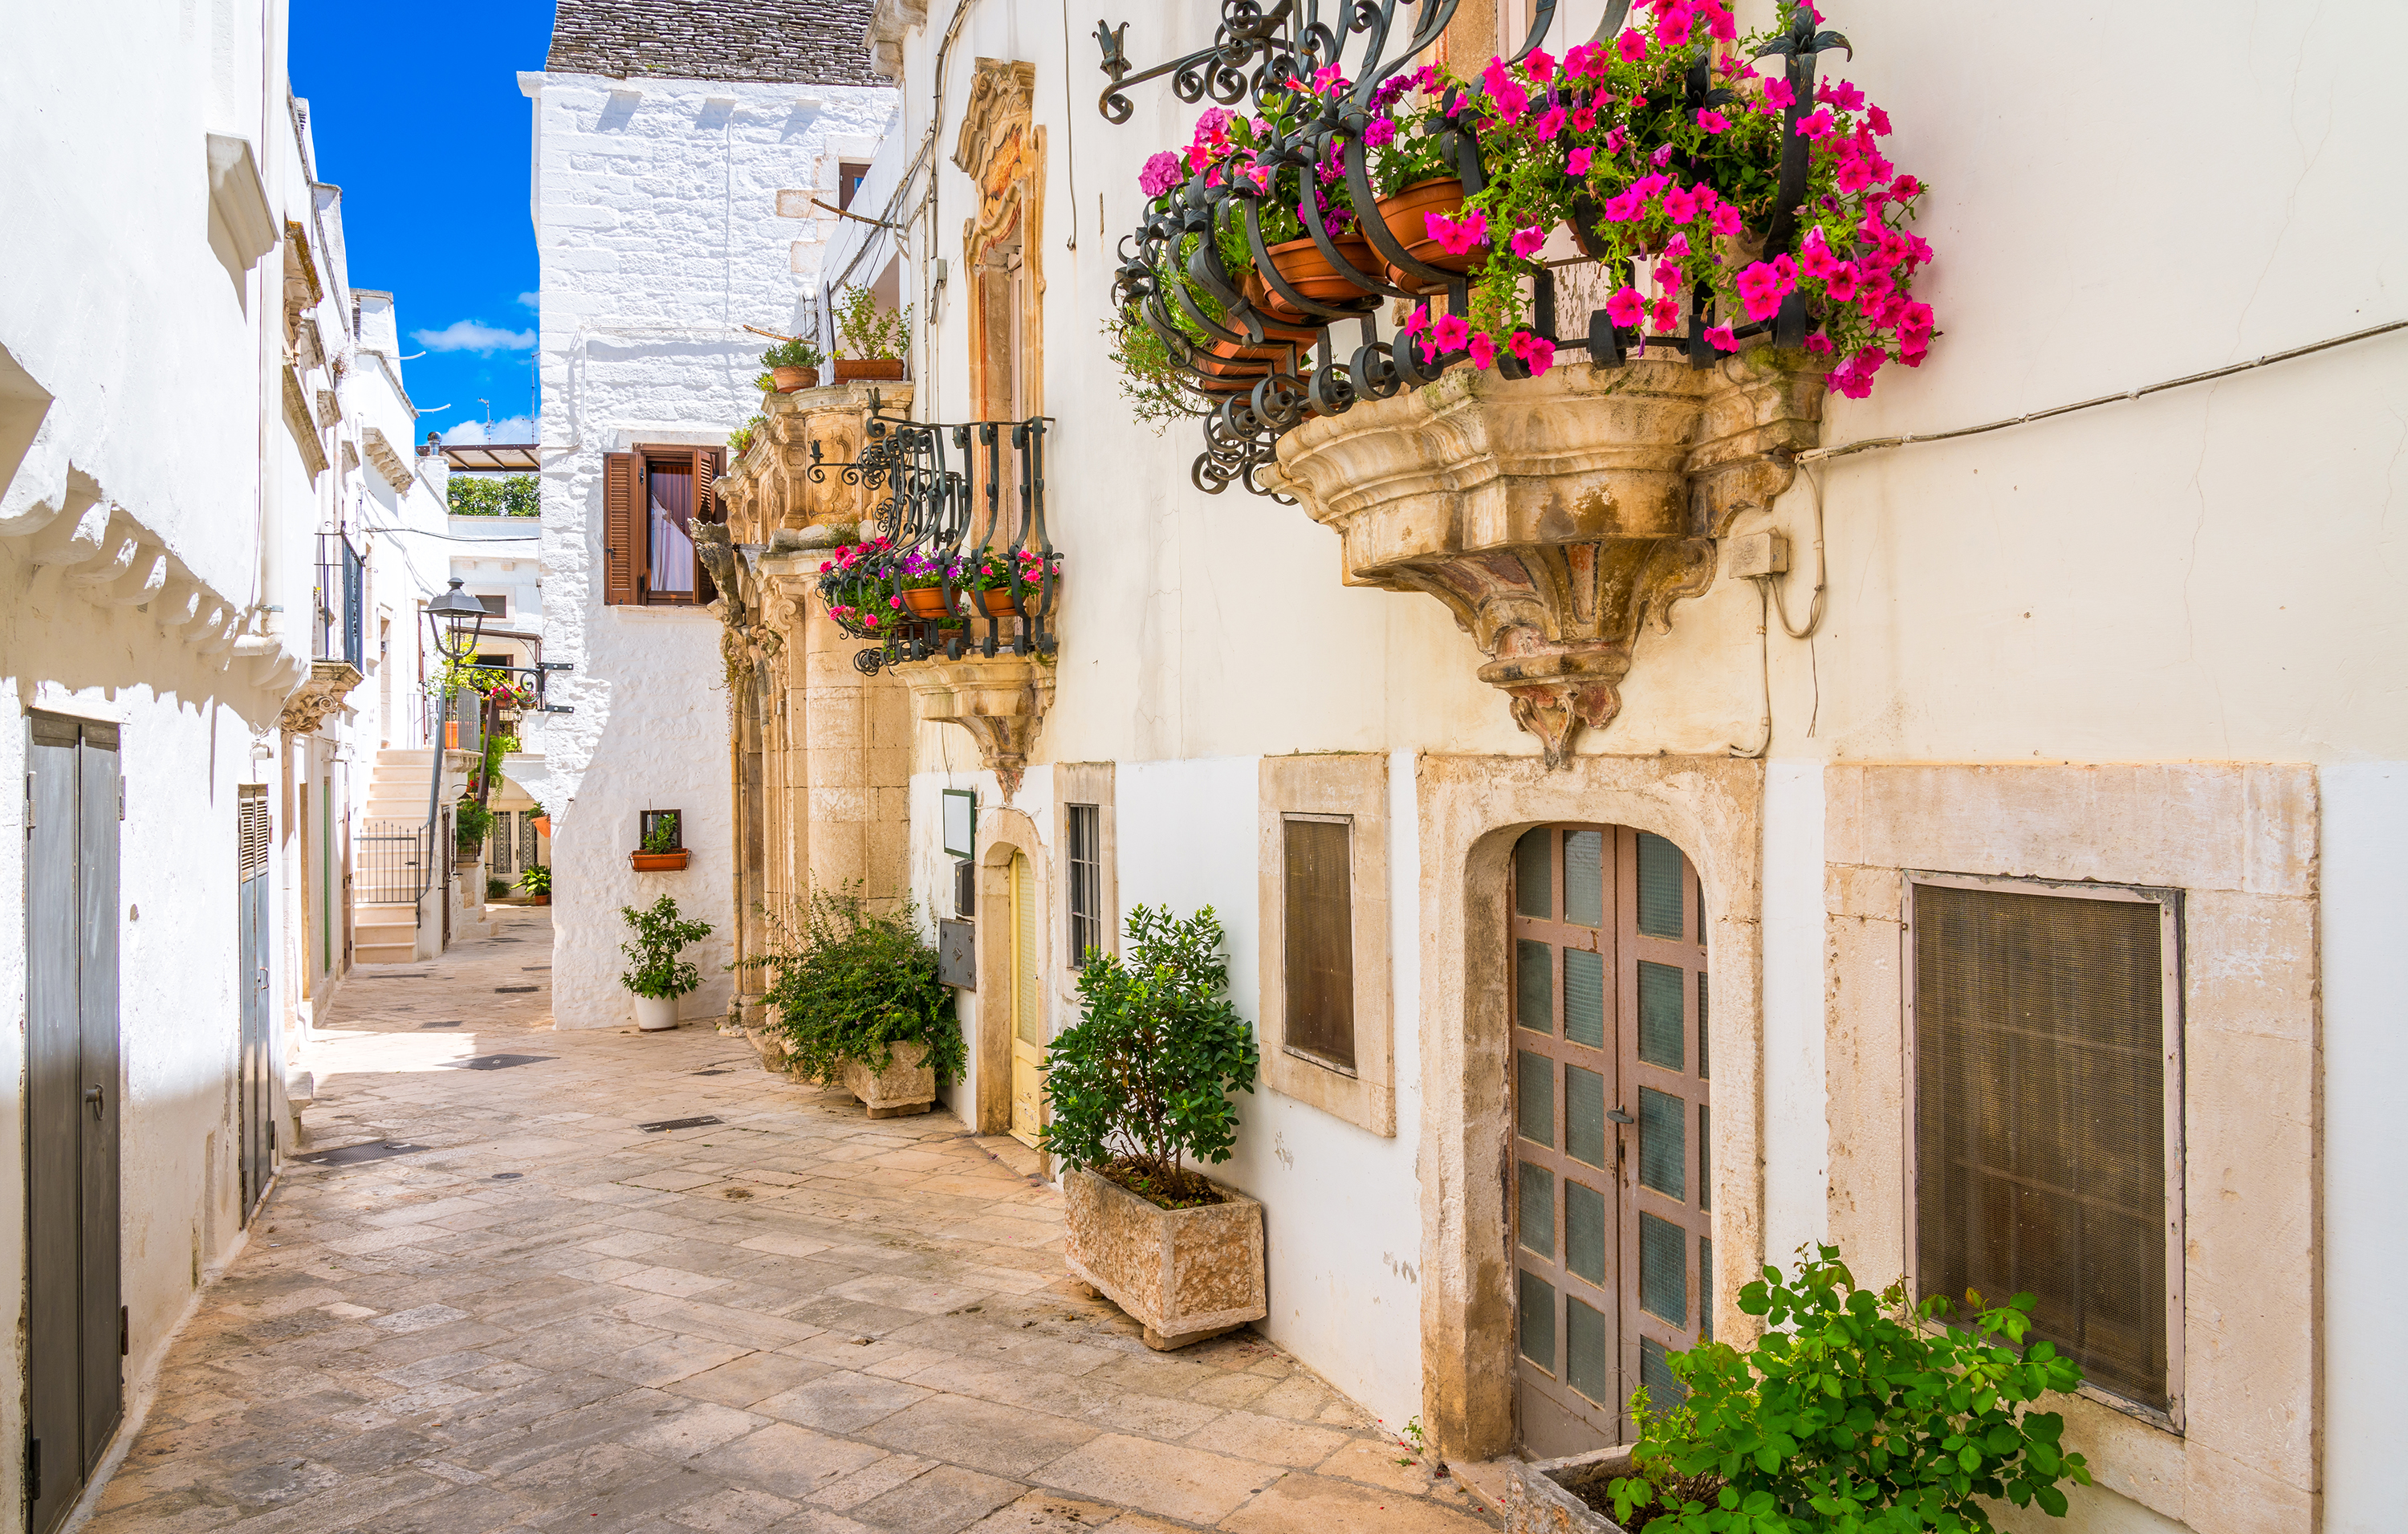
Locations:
{"points": [[622, 530], [706, 465]]}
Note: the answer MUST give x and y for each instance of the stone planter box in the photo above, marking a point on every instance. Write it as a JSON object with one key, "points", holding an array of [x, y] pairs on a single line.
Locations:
{"points": [[1183, 1274], [907, 1085], [1537, 1498]]}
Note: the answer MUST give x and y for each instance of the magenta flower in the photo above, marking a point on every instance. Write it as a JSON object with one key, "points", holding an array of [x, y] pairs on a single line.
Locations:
{"points": [[1779, 92], [1483, 349], [1527, 242], [1915, 320], [1382, 133], [1878, 119], [1840, 93], [1905, 186], [1457, 237], [1418, 320], [1578, 163], [1540, 66], [1552, 124], [1614, 140], [1721, 339], [1819, 344], [1666, 313], [1625, 308], [1855, 173], [1632, 47], [1673, 25], [1760, 291], [1668, 275], [1662, 157], [1814, 256], [1537, 352], [1815, 124], [1450, 332], [1161, 173], [1585, 59], [1677, 248], [1584, 119], [1720, 24], [1712, 121], [1842, 282], [1625, 206], [1680, 204]]}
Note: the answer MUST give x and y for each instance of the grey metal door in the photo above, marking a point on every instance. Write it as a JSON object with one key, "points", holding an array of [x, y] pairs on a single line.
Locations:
{"points": [[75, 1333], [251, 977]]}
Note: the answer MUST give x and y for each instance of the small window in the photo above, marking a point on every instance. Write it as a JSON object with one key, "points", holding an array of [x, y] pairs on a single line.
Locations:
{"points": [[1320, 939], [654, 498], [498, 605], [850, 174], [965, 889], [1086, 883], [2047, 1113]]}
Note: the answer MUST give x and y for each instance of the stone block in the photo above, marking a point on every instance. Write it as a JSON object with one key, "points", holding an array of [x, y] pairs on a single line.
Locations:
{"points": [[1183, 1274], [907, 1085]]}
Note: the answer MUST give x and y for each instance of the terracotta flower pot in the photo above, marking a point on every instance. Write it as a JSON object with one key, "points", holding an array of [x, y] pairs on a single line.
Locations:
{"points": [[870, 370], [543, 826], [997, 602], [788, 379], [658, 862], [1303, 268], [1407, 215], [539, 900], [926, 602]]}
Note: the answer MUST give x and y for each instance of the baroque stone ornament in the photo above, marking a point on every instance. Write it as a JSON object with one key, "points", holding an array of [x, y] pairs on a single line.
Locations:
{"points": [[1554, 515], [328, 684], [999, 699]]}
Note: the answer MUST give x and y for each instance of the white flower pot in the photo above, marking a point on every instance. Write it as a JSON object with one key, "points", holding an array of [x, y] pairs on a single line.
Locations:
{"points": [[653, 1013]]}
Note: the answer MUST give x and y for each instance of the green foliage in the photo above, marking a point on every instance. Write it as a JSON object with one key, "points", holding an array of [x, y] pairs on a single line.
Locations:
{"points": [[535, 878], [470, 821], [659, 938], [850, 983], [1145, 1075], [1154, 385], [1854, 1414], [491, 495], [495, 889], [663, 838], [867, 331], [793, 354], [739, 441], [766, 384]]}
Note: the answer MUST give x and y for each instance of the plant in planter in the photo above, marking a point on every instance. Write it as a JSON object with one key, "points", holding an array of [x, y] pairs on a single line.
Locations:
{"points": [[739, 441], [1137, 1085], [471, 822], [659, 976], [1007, 580], [857, 1000], [793, 364], [540, 817], [876, 337], [535, 880], [1855, 1412], [660, 842]]}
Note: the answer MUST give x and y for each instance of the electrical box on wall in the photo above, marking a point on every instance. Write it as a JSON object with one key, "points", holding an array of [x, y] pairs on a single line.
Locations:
{"points": [[1759, 555], [958, 955]]}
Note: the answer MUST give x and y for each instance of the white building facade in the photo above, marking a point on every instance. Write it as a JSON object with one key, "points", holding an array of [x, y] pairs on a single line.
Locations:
{"points": [[675, 189], [2137, 654]]}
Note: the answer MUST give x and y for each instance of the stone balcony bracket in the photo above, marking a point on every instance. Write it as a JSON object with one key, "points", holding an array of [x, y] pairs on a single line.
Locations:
{"points": [[1554, 515], [999, 699], [320, 694]]}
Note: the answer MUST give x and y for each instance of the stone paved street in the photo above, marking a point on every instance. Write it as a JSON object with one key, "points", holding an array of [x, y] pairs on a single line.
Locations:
{"points": [[791, 1320]]}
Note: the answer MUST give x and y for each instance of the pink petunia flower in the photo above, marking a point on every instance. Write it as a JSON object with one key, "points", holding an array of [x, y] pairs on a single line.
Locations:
{"points": [[1842, 280], [1680, 204], [1450, 332], [1540, 66], [1855, 173], [1667, 312], [1614, 140], [1584, 119], [1382, 133], [1840, 93], [1585, 59], [1878, 119], [1819, 344], [1760, 291], [1720, 24], [1578, 163], [1673, 25], [1527, 242], [1727, 223], [1677, 248], [1815, 124], [1552, 124], [1418, 320], [1625, 308], [1536, 352], [1721, 339], [1483, 349], [1631, 45], [1662, 157], [1668, 275], [1625, 206], [1712, 121], [1905, 186], [1779, 92]]}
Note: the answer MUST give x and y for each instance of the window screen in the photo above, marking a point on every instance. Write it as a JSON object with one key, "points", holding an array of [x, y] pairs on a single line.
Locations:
{"points": [[2040, 1042], [1086, 883], [1320, 940]]}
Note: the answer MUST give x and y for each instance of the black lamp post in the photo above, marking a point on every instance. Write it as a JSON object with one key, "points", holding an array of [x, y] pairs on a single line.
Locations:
{"points": [[458, 623]]}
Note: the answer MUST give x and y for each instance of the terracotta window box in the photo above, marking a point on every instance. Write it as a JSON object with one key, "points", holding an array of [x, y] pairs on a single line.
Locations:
{"points": [[1183, 1274], [658, 862], [870, 370]]}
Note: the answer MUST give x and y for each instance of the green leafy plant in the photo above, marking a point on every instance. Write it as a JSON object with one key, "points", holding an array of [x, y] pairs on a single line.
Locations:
{"points": [[793, 354], [490, 495], [766, 384], [1155, 387], [1855, 1413], [850, 982], [739, 441], [535, 878], [663, 837], [1142, 1080], [661, 936], [868, 332], [534, 807], [470, 821], [495, 889]]}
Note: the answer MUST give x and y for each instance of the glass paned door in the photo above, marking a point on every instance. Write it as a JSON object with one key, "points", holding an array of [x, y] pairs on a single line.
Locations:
{"points": [[1612, 1239]]}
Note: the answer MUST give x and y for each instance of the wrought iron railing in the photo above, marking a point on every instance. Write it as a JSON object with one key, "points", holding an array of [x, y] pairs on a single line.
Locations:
{"points": [[962, 563], [337, 621], [393, 862], [1282, 378]]}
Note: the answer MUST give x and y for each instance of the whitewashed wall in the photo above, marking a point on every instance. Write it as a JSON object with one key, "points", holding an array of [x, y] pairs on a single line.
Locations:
{"points": [[657, 224]]}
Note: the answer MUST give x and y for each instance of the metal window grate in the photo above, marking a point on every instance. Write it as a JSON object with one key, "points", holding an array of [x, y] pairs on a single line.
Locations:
{"points": [[1086, 883], [2045, 1030]]}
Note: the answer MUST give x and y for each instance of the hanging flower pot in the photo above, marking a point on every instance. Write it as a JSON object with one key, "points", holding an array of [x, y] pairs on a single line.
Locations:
{"points": [[1407, 215], [542, 825], [996, 601], [1303, 268], [791, 378], [926, 602]]}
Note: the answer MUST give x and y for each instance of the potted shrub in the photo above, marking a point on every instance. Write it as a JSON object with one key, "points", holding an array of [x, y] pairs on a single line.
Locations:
{"points": [[856, 998], [876, 337], [664, 844], [658, 977], [535, 880], [793, 364], [1140, 1083], [1854, 1409], [739, 441]]}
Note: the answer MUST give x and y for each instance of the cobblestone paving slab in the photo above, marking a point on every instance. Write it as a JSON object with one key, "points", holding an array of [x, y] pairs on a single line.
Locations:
{"points": [[791, 1321]]}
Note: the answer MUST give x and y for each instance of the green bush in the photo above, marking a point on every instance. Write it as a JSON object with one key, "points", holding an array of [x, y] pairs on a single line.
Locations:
{"points": [[535, 878], [793, 354], [492, 495], [1143, 1079], [850, 983], [661, 936], [470, 821], [867, 331], [1854, 1415]]}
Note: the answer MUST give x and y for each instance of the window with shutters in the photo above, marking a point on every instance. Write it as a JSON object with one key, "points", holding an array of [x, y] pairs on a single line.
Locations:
{"points": [[652, 500], [2046, 1044]]}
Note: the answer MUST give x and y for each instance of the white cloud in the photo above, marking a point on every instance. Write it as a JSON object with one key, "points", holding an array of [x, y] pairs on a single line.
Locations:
{"points": [[531, 300], [511, 428], [474, 336]]}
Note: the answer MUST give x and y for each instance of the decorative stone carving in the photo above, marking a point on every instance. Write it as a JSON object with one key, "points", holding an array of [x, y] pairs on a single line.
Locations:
{"points": [[998, 699], [1554, 515], [770, 487], [329, 682], [1001, 149]]}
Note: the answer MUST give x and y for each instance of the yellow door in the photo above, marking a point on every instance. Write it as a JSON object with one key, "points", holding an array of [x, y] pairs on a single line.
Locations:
{"points": [[1027, 1009]]}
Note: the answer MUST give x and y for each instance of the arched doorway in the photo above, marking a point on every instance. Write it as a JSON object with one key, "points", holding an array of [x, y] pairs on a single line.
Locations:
{"points": [[1609, 1202]]}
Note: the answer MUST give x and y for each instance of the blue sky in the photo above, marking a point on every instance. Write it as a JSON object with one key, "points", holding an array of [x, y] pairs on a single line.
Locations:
{"points": [[417, 116]]}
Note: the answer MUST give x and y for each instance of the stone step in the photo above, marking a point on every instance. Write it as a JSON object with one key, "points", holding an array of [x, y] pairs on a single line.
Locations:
{"points": [[395, 953]]}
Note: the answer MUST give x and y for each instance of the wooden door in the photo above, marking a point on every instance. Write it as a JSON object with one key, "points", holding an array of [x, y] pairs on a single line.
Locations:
{"points": [[74, 1326], [1603, 1137], [251, 993], [1027, 1008]]}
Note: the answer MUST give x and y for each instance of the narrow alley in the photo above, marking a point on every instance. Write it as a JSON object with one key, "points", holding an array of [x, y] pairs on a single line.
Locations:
{"points": [[622, 1281]]}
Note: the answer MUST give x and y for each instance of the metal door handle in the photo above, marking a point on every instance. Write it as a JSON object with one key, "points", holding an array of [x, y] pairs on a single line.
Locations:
{"points": [[1618, 1116], [98, 1099]]}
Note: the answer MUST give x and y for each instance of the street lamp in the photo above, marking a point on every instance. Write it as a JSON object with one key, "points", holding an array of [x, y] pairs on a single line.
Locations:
{"points": [[457, 621]]}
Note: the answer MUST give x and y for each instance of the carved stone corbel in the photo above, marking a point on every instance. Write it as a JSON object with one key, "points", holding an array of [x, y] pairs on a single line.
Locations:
{"points": [[1554, 515], [328, 684], [998, 699]]}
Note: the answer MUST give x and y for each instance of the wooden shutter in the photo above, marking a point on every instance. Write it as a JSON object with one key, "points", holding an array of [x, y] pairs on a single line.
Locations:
{"points": [[706, 465], [622, 530]]}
